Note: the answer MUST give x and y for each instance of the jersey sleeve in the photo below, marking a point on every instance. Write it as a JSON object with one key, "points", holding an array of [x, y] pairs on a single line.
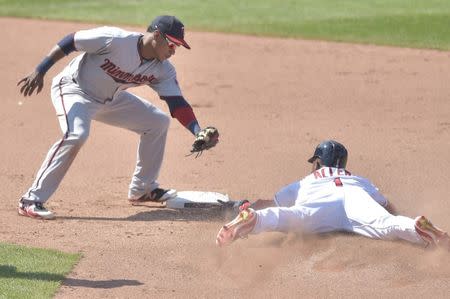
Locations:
{"points": [[373, 191], [287, 195], [97, 40], [166, 84]]}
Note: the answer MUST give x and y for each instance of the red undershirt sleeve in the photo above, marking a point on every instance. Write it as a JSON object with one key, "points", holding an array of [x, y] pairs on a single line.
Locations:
{"points": [[182, 111]]}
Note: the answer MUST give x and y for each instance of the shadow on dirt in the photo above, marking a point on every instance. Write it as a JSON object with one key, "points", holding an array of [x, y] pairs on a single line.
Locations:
{"points": [[101, 284], [162, 214]]}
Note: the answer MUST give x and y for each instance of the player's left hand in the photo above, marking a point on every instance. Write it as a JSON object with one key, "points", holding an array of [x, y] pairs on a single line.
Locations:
{"points": [[204, 140], [30, 83], [233, 205]]}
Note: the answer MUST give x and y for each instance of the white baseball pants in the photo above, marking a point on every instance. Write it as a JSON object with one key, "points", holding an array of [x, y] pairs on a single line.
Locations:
{"points": [[351, 210]]}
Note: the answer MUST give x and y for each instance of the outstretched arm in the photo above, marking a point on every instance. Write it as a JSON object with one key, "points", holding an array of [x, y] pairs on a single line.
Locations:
{"points": [[182, 111], [36, 78], [205, 138], [260, 204], [236, 205]]}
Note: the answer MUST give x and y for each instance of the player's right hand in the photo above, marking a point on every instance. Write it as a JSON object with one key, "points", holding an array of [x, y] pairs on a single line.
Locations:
{"points": [[29, 83]]}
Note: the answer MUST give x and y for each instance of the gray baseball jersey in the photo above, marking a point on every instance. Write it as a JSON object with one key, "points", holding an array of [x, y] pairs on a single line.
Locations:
{"points": [[92, 87], [112, 63]]}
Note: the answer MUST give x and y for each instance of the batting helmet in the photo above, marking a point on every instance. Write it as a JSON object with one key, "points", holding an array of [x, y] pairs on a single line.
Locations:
{"points": [[331, 153]]}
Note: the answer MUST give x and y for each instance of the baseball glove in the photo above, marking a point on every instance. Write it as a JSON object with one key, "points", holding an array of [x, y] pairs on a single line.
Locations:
{"points": [[204, 140]]}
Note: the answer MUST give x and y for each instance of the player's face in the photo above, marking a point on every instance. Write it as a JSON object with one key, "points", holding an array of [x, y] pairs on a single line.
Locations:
{"points": [[171, 45], [166, 48]]}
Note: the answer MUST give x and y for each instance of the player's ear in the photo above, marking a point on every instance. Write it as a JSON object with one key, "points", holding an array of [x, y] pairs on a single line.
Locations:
{"points": [[156, 34]]}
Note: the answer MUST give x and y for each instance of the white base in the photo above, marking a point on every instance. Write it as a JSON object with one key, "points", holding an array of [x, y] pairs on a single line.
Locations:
{"points": [[196, 199]]}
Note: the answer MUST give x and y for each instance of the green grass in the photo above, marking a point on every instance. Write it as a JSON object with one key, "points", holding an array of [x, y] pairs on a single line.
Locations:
{"points": [[409, 23], [32, 273]]}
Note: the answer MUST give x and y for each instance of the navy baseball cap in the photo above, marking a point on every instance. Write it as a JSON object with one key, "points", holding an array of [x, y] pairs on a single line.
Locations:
{"points": [[171, 27]]}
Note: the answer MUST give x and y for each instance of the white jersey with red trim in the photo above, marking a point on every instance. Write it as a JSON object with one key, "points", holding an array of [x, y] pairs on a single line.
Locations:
{"points": [[332, 199], [112, 63], [321, 186]]}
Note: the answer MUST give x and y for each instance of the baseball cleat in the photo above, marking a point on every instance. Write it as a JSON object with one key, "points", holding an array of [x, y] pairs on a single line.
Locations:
{"points": [[157, 195], [239, 227], [431, 234], [34, 210]]}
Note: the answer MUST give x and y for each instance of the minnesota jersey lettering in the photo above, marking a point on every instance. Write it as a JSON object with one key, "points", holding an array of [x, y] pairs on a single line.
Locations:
{"points": [[123, 77]]}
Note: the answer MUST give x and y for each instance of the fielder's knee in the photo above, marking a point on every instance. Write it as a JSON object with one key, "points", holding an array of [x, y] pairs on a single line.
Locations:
{"points": [[77, 139], [164, 122], [159, 126]]}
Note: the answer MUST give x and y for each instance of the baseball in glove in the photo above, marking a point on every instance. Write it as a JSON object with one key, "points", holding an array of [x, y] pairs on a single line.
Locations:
{"points": [[204, 140]]}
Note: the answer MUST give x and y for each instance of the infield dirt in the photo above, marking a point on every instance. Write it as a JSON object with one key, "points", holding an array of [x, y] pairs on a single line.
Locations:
{"points": [[272, 100]]}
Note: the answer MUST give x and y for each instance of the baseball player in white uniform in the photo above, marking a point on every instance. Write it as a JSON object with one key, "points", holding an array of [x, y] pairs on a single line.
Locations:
{"points": [[331, 199], [93, 87]]}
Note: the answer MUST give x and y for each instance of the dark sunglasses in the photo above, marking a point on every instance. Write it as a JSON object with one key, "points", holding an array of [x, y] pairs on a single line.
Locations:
{"points": [[170, 43]]}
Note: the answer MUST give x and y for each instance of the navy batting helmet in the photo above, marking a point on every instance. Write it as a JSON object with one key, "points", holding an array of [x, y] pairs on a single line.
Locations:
{"points": [[331, 153]]}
